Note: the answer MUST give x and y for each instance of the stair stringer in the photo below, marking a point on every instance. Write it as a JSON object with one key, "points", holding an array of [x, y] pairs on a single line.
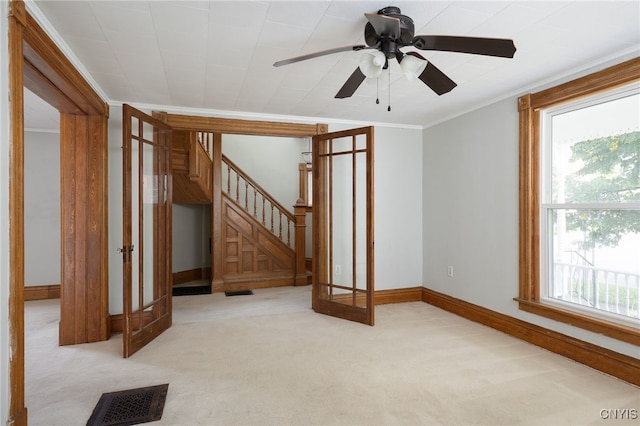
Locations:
{"points": [[252, 256]]}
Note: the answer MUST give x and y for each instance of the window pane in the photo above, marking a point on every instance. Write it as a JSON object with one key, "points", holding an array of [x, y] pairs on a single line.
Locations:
{"points": [[595, 259], [594, 154]]}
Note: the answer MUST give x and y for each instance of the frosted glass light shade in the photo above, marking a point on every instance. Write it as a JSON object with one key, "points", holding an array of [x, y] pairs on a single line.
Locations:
{"points": [[412, 67], [371, 63]]}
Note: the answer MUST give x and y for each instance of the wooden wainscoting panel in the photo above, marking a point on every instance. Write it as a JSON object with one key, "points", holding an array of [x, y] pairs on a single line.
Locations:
{"points": [[251, 252], [613, 363], [41, 292]]}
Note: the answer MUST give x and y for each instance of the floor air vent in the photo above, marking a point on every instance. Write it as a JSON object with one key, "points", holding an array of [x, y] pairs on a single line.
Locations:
{"points": [[129, 407]]}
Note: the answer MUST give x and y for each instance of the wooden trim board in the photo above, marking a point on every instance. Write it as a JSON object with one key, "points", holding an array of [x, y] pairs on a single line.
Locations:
{"points": [[613, 363], [41, 292], [182, 277]]}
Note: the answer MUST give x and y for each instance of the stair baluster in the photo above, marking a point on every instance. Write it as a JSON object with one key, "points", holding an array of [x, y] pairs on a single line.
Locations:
{"points": [[255, 206], [276, 227], [246, 195], [272, 218], [237, 188]]}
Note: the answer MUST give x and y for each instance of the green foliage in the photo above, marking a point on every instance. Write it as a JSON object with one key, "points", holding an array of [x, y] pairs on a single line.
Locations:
{"points": [[609, 173]]}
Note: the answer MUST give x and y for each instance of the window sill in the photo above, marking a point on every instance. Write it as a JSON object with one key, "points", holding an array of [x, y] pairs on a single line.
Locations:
{"points": [[610, 329]]}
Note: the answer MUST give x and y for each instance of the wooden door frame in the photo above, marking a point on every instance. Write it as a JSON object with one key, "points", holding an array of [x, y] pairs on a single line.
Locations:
{"points": [[35, 62], [220, 126]]}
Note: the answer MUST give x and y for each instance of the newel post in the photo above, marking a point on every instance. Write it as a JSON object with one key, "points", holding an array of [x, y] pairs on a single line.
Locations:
{"points": [[300, 213]]}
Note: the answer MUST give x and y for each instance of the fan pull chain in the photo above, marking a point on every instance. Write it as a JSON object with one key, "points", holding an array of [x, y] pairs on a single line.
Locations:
{"points": [[377, 95], [389, 107]]}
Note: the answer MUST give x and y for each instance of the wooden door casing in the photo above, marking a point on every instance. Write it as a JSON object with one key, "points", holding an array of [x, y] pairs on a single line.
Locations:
{"points": [[35, 62]]}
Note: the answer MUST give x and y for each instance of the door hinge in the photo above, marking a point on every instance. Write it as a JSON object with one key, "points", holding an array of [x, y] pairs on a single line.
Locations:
{"points": [[125, 250]]}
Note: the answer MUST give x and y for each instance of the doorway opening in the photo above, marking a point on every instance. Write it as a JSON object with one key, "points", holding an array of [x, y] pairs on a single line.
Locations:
{"points": [[41, 199]]}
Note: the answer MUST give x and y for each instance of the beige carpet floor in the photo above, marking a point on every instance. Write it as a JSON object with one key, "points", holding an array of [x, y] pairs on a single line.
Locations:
{"points": [[268, 359]]}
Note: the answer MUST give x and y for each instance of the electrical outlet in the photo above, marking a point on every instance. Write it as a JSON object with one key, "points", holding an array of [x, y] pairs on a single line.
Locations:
{"points": [[338, 269], [450, 271]]}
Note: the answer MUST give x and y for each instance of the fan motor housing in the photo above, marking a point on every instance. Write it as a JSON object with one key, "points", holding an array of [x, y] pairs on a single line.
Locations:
{"points": [[407, 28]]}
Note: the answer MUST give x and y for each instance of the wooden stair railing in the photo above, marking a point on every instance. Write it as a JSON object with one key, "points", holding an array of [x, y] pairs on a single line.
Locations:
{"points": [[191, 166], [206, 141], [251, 197]]}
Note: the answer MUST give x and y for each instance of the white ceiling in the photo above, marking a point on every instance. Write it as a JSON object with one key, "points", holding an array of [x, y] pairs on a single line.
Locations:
{"points": [[219, 55]]}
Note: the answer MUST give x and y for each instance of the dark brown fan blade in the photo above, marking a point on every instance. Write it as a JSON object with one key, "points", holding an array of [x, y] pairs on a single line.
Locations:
{"points": [[501, 47], [385, 26], [434, 78], [321, 53], [351, 85]]}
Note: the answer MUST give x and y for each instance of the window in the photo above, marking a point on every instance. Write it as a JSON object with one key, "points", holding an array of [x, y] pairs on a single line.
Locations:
{"points": [[580, 202]]}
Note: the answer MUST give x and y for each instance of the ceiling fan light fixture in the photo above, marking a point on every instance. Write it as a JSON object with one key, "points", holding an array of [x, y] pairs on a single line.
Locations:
{"points": [[371, 63], [386, 32], [412, 67]]}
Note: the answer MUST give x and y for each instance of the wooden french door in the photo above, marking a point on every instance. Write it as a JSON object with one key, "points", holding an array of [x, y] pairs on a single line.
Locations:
{"points": [[146, 250], [343, 258]]}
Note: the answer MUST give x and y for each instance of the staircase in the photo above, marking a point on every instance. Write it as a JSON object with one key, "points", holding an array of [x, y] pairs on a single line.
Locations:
{"points": [[258, 236]]}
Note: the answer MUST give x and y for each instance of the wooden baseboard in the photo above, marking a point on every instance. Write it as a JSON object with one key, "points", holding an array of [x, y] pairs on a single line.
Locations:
{"points": [[613, 363], [400, 295], [383, 297], [41, 292], [191, 275]]}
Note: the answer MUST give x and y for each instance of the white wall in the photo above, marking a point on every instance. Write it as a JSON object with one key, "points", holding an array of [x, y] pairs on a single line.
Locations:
{"points": [[115, 209], [470, 206], [470, 215], [397, 206], [4, 215], [191, 232], [42, 208]]}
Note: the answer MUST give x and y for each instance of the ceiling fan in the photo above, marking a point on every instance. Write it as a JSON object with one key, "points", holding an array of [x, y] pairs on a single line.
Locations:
{"points": [[387, 32]]}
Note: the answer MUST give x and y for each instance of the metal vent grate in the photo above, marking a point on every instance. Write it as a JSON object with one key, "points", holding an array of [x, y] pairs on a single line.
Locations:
{"points": [[129, 407]]}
